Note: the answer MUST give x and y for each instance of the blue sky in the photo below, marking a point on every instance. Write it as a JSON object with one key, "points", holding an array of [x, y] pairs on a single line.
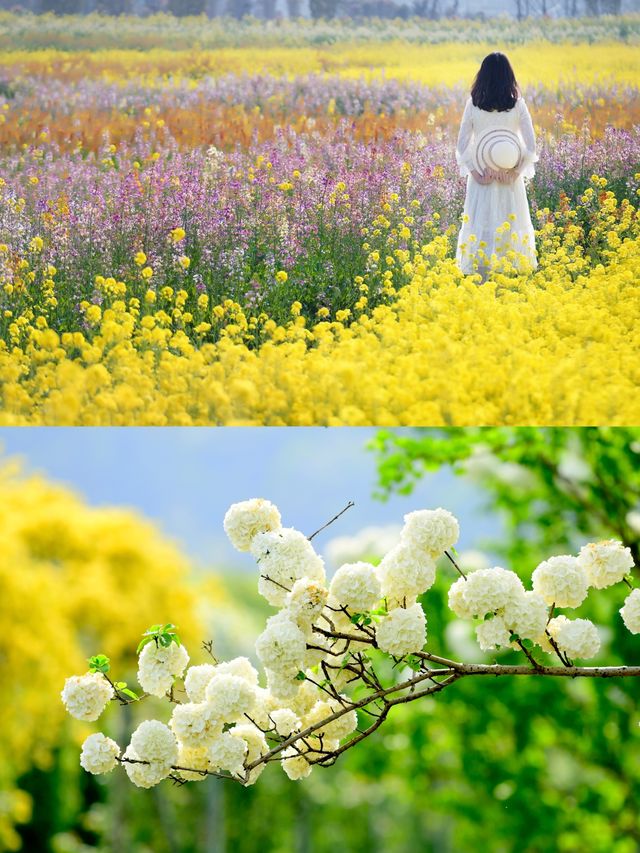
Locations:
{"points": [[185, 479]]}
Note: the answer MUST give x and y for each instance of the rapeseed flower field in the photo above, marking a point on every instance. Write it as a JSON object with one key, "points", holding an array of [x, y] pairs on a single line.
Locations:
{"points": [[225, 235]]}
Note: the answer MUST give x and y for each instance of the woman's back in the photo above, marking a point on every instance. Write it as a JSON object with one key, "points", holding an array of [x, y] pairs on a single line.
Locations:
{"points": [[484, 119]]}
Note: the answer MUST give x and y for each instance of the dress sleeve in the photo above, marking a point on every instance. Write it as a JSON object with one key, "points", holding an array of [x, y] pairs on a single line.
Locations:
{"points": [[527, 168], [464, 148]]}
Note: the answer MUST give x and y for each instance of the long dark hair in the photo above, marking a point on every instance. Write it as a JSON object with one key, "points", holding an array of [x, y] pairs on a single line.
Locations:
{"points": [[495, 86]]}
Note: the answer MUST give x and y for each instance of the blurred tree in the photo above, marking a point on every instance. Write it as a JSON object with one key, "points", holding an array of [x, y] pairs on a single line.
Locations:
{"points": [[114, 7], [182, 8], [61, 7], [238, 8], [68, 576], [551, 484], [323, 8]]}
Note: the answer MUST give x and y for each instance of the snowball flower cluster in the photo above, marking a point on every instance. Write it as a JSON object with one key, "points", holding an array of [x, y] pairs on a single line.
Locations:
{"points": [[485, 591], [281, 647], [579, 638], [295, 765], [356, 586], [197, 679], [513, 614], [305, 602], [432, 531], [493, 634], [99, 754], [195, 724], [228, 752], [285, 721], [561, 581], [86, 696], [310, 649], [402, 631], [630, 611], [284, 556], [406, 572], [150, 755], [159, 666], [153, 741], [605, 563], [245, 520], [230, 697]]}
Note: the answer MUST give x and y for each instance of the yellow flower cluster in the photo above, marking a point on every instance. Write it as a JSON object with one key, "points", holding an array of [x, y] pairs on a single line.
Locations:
{"points": [[557, 346], [75, 581], [444, 64]]}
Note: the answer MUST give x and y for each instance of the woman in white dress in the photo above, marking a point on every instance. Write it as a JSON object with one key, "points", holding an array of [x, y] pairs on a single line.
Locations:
{"points": [[496, 151]]}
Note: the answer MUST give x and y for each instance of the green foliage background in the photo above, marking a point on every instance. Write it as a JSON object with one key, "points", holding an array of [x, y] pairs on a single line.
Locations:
{"points": [[529, 765]]}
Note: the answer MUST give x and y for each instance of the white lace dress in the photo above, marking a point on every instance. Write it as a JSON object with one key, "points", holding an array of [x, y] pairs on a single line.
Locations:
{"points": [[487, 207]]}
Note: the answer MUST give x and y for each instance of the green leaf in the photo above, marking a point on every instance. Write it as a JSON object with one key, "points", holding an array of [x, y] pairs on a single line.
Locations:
{"points": [[528, 644], [488, 616], [143, 643], [301, 676], [356, 618], [162, 635], [99, 663], [514, 638], [129, 693]]}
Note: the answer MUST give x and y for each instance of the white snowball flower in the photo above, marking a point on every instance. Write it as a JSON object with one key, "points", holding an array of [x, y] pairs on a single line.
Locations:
{"points": [[579, 638], [488, 591], [283, 687], [295, 765], [336, 729], [159, 666], [281, 647], [246, 519], [86, 696], [286, 721], [492, 634], [256, 746], [527, 616], [265, 704], [144, 775], [405, 573], [431, 530], [343, 624], [240, 667], [99, 754], [305, 602], [317, 654], [228, 752], [230, 697], [356, 586], [561, 581], [153, 741], [305, 698], [284, 556], [457, 601], [605, 563], [195, 724], [402, 631], [630, 611], [196, 759], [196, 680]]}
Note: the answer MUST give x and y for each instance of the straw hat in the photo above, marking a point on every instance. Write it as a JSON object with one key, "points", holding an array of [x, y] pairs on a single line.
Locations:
{"points": [[498, 149]]}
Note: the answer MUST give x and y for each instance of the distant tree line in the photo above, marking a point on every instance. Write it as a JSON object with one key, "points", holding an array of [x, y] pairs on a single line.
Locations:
{"points": [[272, 9]]}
